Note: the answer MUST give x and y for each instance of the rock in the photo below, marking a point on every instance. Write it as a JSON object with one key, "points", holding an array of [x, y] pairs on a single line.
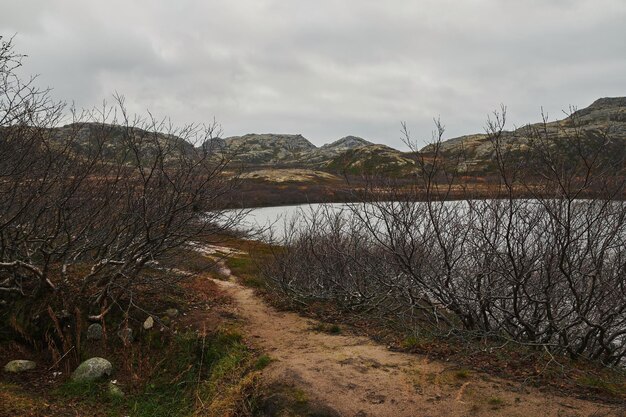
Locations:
{"points": [[92, 369], [126, 335], [19, 365], [171, 313], [166, 321], [94, 332], [115, 391], [149, 323], [375, 398]]}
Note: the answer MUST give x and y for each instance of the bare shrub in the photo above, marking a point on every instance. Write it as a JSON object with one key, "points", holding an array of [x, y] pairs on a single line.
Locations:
{"points": [[88, 210], [546, 271]]}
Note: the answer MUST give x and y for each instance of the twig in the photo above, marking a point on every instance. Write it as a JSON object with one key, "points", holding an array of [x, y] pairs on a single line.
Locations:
{"points": [[61, 358]]}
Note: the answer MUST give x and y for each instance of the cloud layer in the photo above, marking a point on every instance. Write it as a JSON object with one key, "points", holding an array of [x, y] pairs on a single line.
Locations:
{"points": [[328, 68]]}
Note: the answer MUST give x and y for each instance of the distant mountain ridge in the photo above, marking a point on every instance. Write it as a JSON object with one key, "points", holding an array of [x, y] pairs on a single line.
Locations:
{"points": [[352, 154], [287, 150]]}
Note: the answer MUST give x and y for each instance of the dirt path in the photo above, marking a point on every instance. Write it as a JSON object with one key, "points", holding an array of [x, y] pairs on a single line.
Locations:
{"points": [[359, 378]]}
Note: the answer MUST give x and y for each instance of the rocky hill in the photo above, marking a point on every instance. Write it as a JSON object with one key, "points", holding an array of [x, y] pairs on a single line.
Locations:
{"points": [[605, 119], [322, 156], [253, 151], [350, 153], [370, 159], [347, 142], [268, 149], [112, 141]]}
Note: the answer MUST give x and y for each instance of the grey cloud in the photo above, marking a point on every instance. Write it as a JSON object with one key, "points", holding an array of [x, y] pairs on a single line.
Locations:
{"points": [[327, 68]]}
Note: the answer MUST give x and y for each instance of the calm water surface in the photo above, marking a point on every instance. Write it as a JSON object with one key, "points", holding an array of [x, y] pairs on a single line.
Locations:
{"points": [[274, 220]]}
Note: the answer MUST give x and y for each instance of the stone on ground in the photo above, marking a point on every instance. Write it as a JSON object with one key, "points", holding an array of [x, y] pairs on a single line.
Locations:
{"points": [[115, 391], [149, 323], [19, 365], [92, 369]]}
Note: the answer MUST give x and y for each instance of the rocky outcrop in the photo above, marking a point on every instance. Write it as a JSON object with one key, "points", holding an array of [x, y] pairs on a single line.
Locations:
{"points": [[267, 148], [347, 142], [604, 118], [322, 156], [251, 150], [350, 154], [293, 151], [372, 159], [87, 137]]}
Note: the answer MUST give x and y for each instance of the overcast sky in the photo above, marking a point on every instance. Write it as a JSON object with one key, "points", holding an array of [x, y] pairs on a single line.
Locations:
{"points": [[327, 68]]}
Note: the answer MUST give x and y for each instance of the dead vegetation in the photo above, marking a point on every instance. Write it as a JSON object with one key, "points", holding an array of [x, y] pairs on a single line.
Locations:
{"points": [[315, 369], [539, 279], [198, 362]]}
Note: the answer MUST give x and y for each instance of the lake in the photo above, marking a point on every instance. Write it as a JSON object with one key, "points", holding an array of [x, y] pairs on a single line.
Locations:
{"points": [[274, 220]]}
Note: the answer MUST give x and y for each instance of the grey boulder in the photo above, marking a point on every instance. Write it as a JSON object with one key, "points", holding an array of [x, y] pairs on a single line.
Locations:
{"points": [[19, 365], [92, 369]]}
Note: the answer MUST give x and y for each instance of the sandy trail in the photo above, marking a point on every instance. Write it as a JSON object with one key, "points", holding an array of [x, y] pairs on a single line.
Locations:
{"points": [[359, 378]]}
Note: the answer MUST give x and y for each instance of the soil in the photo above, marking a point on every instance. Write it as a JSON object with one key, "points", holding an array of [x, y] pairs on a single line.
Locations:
{"points": [[357, 377]]}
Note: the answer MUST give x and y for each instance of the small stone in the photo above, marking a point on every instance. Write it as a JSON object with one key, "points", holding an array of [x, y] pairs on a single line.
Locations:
{"points": [[375, 398], [94, 332], [92, 369], [171, 312], [149, 323], [126, 335], [19, 365], [115, 391]]}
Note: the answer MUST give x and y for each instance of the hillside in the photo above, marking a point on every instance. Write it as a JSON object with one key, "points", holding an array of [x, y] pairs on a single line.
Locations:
{"points": [[352, 155], [320, 157], [348, 155], [369, 160], [112, 141], [604, 119], [252, 152], [288, 151], [267, 148]]}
